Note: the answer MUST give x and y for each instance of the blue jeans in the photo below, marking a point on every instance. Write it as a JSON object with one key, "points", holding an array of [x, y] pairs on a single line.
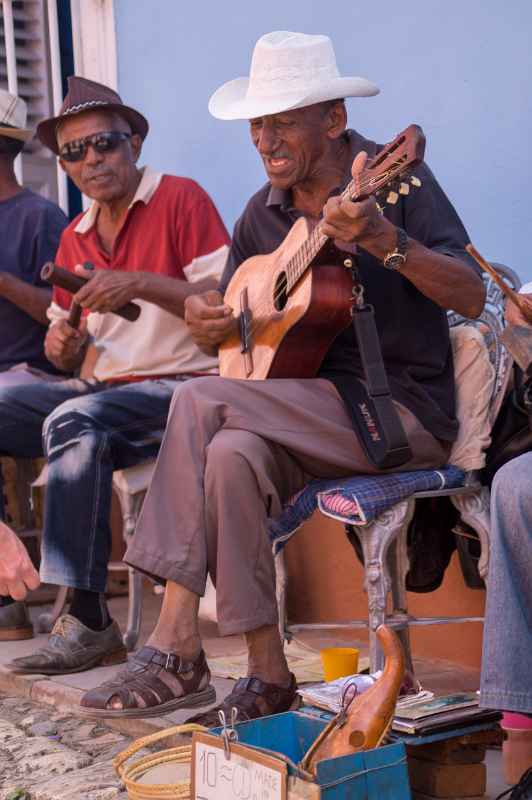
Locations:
{"points": [[506, 679], [86, 430]]}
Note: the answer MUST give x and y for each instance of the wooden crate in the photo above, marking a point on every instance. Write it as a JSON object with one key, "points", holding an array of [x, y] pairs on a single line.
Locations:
{"points": [[447, 780], [23, 505]]}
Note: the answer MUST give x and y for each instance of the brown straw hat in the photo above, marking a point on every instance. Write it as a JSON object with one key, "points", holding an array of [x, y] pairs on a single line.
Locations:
{"points": [[84, 95]]}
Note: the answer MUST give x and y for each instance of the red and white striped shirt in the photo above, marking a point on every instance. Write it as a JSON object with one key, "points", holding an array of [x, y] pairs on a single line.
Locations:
{"points": [[172, 228]]}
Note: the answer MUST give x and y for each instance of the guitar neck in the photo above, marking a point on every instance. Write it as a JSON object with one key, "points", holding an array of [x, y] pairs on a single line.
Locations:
{"points": [[316, 241]]}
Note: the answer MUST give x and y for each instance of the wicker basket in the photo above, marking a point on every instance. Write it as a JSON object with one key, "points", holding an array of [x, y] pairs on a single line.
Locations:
{"points": [[164, 775]]}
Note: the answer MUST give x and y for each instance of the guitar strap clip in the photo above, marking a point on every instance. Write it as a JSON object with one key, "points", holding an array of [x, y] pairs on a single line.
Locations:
{"points": [[357, 294]]}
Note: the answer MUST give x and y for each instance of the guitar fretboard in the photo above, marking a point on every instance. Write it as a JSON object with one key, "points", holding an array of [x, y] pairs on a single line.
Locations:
{"points": [[307, 252]]}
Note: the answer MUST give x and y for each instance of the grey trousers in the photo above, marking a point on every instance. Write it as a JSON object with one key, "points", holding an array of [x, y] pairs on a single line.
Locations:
{"points": [[233, 452]]}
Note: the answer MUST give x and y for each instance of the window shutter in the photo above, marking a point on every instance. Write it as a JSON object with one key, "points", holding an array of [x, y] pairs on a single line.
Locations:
{"points": [[31, 58], [34, 86]]}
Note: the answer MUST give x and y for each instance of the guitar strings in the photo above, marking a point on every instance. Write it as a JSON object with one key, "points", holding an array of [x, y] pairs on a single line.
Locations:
{"points": [[300, 260], [307, 251], [308, 247]]}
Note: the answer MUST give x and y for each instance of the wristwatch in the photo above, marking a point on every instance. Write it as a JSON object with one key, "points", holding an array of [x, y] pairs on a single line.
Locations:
{"points": [[397, 257]]}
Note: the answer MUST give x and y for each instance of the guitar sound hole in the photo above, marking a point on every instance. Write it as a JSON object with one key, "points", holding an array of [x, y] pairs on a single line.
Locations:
{"points": [[280, 297]]}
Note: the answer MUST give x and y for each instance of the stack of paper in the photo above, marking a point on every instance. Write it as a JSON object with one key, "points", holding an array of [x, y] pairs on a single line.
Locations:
{"points": [[329, 695], [447, 711]]}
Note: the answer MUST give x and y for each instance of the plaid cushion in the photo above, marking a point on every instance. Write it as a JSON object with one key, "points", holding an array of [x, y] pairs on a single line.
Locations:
{"points": [[358, 500]]}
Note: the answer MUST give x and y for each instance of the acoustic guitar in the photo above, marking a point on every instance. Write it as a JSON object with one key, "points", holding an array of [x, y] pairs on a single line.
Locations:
{"points": [[293, 303]]}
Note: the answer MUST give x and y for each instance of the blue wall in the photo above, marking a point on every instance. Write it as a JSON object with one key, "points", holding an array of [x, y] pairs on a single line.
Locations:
{"points": [[462, 70]]}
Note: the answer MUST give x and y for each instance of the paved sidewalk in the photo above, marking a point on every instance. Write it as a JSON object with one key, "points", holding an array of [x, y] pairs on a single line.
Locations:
{"points": [[51, 755], [58, 697], [64, 691]]}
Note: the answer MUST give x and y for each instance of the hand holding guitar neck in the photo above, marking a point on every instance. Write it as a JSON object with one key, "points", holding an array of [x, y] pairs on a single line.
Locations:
{"points": [[57, 276], [507, 290]]}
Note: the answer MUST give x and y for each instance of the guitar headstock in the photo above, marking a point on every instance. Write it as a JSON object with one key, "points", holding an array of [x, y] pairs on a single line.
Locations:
{"points": [[390, 194], [405, 152]]}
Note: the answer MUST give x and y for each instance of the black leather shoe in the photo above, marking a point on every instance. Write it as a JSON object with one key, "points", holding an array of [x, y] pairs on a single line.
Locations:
{"points": [[72, 647]]}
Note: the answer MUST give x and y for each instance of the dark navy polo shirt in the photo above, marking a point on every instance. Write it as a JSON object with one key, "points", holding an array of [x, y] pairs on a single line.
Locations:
{"points": [[413, 330], [30, 229]]}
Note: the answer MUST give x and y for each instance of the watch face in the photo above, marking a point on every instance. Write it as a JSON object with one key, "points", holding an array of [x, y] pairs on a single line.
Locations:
{"points": [[395, 262]]}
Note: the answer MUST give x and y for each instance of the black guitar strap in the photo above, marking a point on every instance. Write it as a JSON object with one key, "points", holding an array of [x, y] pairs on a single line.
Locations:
{"points": [[370, 401], [371, 405]]}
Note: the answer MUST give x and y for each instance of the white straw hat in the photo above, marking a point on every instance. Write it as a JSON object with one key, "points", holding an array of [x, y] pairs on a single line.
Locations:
{"points": [[13, 112], [288, 70]]}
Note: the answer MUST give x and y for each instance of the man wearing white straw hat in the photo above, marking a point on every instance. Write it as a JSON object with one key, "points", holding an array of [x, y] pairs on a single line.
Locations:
{"points": [[254, 444], [30, 229]]}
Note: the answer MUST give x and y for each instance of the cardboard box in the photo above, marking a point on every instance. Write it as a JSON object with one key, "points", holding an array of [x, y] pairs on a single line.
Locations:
{"points": [[379, 774]]}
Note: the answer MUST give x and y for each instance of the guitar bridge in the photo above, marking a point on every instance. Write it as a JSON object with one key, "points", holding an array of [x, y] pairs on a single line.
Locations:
{"points": [[244, 322]]}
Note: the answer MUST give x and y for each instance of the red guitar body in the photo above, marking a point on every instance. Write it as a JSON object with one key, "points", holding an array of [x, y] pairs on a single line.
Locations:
{"points": [[289, 336]]}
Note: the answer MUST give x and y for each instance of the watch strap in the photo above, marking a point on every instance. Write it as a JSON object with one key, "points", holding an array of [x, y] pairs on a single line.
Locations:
{"points": [[397, 257]]}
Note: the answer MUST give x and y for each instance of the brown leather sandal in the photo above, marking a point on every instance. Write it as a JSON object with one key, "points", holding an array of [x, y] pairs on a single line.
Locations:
{"points": [[252, 698], [152, 683]]}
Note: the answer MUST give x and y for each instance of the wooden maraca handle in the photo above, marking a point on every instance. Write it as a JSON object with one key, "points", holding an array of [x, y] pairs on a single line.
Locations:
{"points": [[507, 290]]}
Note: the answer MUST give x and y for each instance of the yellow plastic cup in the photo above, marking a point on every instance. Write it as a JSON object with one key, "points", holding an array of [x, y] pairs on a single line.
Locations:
{"points": [[338, 662]]}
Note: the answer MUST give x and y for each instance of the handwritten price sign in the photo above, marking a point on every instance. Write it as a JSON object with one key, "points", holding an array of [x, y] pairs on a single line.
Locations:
{"points": [[247, 775]]}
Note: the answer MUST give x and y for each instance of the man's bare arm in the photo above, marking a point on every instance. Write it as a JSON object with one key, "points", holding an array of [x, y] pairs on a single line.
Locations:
{"points": [[449, 282], [170, 293], [31, 299], [108, 290]]}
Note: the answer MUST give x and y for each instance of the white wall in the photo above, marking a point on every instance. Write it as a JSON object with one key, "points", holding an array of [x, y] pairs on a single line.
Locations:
{"points": [[462, 70]]}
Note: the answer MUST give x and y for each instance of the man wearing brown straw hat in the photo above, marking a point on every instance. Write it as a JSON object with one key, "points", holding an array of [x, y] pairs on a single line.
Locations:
{"points": [[30, 228], [150, 238]]}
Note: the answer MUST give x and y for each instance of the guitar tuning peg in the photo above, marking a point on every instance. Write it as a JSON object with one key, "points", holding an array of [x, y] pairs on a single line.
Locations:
{"points": [[392, 198], [404, 188], [415, 181]]}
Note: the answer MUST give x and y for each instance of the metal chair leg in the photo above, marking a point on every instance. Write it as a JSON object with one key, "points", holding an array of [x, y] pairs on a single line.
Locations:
{"points": [[376, 538], [474, 509], [130, 505], [398, 567], [47, 620], [134, 612], [281, 582]]}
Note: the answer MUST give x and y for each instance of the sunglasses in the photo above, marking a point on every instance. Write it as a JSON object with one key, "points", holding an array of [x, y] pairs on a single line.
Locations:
{"points": [[104, 142]]}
